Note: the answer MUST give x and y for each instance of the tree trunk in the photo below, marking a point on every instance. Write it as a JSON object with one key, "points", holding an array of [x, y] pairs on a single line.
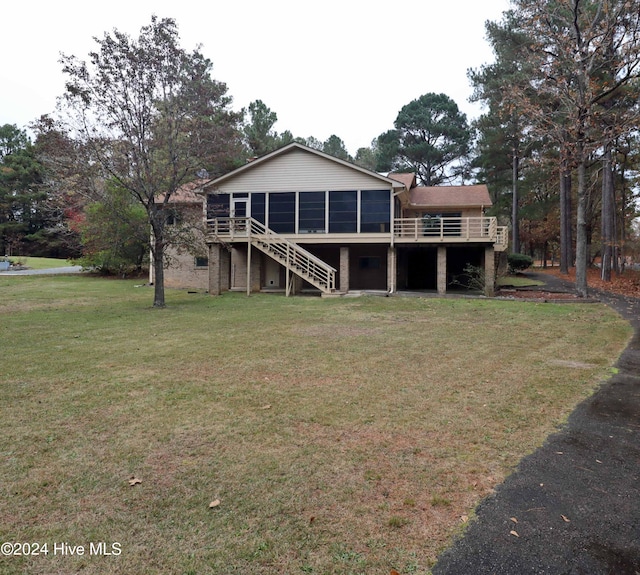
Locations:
{"points": [[515, 240], [608, 216], [158, 285], [581, 228], [158, 245], [566, 247]]}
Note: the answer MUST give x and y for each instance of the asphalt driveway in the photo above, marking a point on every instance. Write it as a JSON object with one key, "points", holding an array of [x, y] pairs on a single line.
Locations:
{"points": [[48, 271], [573, 506]]}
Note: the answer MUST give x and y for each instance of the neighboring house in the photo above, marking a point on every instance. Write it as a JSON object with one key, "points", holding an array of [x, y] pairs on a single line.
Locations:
{"points": [[300, 219]]}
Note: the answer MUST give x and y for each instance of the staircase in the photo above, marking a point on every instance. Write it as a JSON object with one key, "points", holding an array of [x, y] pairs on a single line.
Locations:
{"points": [[294, 258]]}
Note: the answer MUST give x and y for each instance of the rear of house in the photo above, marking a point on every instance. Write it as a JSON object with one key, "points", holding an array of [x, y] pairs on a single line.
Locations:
{"points": [[298, 219]]}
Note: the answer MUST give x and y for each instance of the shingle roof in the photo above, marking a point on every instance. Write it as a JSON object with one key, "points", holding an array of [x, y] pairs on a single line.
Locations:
{"points": [[450, 196], [185, 194], [408, 179]]}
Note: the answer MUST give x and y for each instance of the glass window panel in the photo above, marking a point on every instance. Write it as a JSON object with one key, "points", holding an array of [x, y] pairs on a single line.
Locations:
{"points": [[258, 207], [375, 211], [282, 212], [311, 218], [343, 212], [217, 206]]}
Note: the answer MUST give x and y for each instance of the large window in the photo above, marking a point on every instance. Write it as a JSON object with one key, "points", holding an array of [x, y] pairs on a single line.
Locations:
{"points": [[217, 206], [258, 207], [282, 212], [343, 212], [311, 218], [375, 214]]}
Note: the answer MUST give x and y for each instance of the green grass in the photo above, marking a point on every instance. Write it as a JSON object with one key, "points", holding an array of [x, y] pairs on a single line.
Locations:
{"points": [[37, 263], [341, 436], [517, 281]]}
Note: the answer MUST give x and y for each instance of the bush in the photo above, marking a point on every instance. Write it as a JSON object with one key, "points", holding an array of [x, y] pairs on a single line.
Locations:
{"points": [[472, 278], [519, 262]]}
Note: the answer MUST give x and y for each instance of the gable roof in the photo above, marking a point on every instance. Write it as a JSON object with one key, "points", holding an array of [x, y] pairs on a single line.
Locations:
{"points": [[408, 179], [450, 196], [296, 148]]}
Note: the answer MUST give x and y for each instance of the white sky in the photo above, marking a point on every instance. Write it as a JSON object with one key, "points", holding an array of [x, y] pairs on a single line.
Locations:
{"points": [[326, 67]]}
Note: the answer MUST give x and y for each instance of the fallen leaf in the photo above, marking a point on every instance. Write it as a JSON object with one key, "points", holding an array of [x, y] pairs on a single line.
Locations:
{"points": [[598, 461], [214, 503], [134, 481], [266, 407], [311, 519], [464, 518], [514, 533], [393, 572], [565, 519], [514, 520]]}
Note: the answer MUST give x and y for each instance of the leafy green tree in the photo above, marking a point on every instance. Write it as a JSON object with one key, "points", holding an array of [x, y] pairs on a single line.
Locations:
{"points": [[115, 233], [334, 146], [258, 131], [311, 142], [153, 118], [27, 221], [367, 157], [431, 138], [502, 140]]}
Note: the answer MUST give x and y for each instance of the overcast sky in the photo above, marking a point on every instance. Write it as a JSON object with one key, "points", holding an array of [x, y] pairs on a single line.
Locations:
{"points": [[327, 67]]}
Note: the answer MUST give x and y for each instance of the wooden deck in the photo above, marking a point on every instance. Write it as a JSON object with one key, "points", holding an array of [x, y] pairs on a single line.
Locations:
{"points": [[440, 230]]}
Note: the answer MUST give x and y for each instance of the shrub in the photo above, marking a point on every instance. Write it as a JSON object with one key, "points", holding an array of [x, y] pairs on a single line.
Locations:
{"points": [[471, 278], [519, 262]]}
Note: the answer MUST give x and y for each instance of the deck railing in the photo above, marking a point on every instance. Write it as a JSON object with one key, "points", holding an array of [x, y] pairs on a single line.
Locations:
{"points": [[434, 228], [502, 238], [446, 228]]}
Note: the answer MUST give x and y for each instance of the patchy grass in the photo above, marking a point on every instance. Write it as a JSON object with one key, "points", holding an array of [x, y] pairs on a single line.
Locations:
{"points": [[341, 436]]}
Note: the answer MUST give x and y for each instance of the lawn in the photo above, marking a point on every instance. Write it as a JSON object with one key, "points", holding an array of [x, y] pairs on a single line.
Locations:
{"points": [[332, 436], [37, 263]]}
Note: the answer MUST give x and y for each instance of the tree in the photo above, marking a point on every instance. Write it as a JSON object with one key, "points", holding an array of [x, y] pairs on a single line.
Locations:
{"points": [[368, 157], [115, 233], [431, 138], [152, 118], [334, 146], [581, 54], [259, 135], [502, 142], [28, 221]]}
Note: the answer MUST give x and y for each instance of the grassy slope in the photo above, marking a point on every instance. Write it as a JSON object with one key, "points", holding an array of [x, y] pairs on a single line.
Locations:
{"points": [[341, 436]]}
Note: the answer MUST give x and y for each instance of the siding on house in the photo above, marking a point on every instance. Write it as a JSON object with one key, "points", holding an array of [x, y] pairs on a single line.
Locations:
{"points": [[299, 172]]}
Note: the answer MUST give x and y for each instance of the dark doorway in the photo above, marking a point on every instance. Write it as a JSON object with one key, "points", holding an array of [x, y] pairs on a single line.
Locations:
{"points": [[417, 268]]}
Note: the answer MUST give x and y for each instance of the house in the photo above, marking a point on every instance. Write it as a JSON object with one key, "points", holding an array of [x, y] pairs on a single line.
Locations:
{"points": [[299, 219], [188, 265]]}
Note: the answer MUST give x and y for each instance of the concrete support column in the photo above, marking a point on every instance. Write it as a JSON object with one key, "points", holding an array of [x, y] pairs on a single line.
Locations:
{"points": [[256, 270], [392, 269], [344, 269], [489, 272], [441, 274], [215, 287]]}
